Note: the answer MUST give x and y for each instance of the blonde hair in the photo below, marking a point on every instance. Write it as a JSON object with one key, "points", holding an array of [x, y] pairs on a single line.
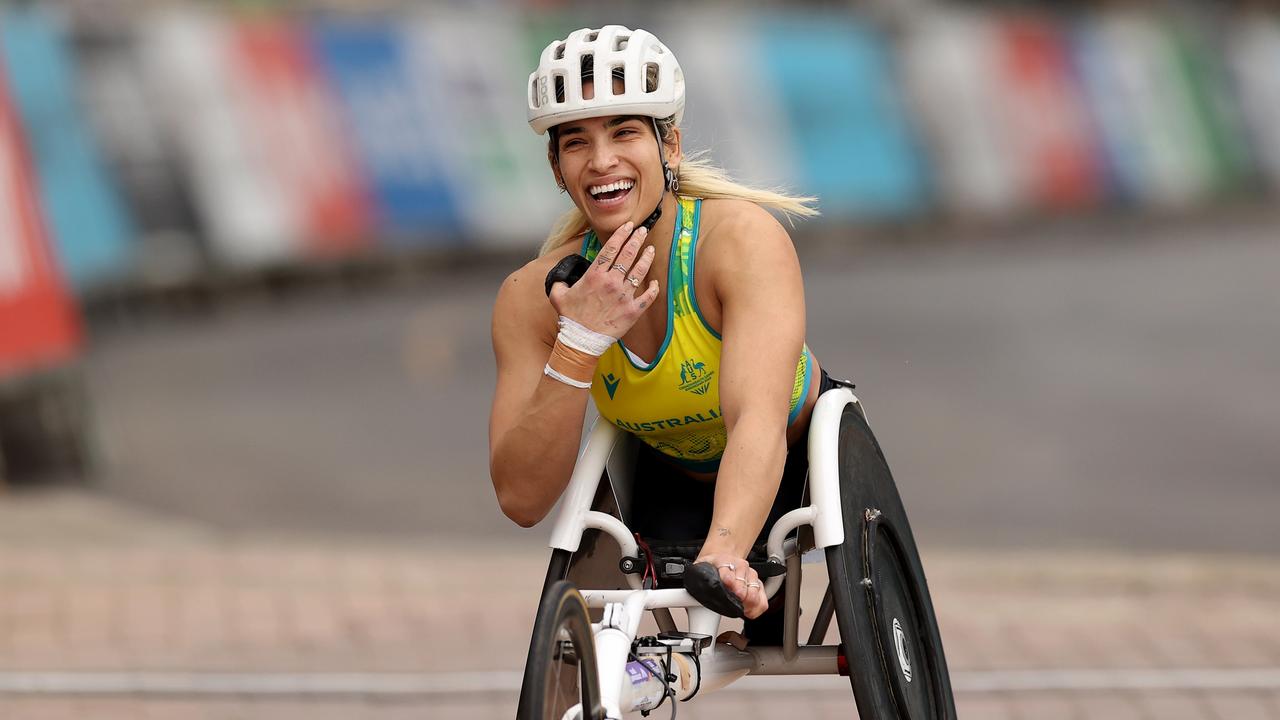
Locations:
{"points": [[698, 178]]}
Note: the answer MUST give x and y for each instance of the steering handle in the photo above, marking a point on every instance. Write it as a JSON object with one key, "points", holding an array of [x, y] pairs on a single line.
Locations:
{"points": [[702, 580]]}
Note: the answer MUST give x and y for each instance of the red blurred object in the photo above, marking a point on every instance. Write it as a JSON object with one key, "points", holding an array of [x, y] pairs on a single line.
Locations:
{"points": [[300, 133], [39, 323], [1048, 115]]}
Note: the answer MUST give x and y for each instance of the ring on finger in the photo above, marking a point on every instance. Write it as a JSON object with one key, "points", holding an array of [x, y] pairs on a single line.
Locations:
{"points": [[726, 565], [635, 282], [741, 579], [753, 585], [619, 266]]}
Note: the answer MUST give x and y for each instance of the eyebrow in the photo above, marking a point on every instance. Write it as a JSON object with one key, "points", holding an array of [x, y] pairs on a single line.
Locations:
{"points": [[573, 129]]}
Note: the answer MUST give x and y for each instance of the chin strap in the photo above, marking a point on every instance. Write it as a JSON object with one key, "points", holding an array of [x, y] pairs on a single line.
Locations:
{"points": [[669, 181]]}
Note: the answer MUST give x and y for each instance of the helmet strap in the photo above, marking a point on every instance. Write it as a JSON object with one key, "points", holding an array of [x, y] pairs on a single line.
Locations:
{"points": [[669, 181]]}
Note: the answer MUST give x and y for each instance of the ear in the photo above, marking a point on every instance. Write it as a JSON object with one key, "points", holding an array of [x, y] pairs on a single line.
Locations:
{"points": [[675, 153], [555, 168]]}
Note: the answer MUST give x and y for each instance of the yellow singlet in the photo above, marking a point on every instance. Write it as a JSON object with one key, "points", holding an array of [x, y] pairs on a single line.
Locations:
{"points": [[673, 402]]}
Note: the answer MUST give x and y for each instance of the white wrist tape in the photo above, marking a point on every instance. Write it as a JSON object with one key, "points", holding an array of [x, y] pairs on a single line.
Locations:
{"points": [[583, 339], [551, 373]]}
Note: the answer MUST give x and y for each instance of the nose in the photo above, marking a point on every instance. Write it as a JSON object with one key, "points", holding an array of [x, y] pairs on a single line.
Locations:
{"points": [[603, 157]]}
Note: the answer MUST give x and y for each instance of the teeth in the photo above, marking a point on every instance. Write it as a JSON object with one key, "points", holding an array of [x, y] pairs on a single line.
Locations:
{"points": [[619, 185]]}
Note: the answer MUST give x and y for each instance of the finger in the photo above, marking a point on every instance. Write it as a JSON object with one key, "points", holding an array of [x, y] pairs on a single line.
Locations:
{"points": [[605, 258], [755, 605], [641, 268], [755, 602], [631, 248], [557, 293], [649, 296], [736, 581]]}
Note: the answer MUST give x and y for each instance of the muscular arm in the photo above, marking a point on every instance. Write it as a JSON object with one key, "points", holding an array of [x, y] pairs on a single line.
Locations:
{"points": [[761, 294], [536, 422]]}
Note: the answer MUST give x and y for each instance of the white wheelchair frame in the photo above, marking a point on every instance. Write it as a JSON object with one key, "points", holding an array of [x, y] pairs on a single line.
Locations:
{"points": [[627, 688]]}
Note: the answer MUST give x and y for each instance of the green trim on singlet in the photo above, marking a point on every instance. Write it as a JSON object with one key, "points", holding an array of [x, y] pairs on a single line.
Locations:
{"points": [[672, 402], [693, 290]]}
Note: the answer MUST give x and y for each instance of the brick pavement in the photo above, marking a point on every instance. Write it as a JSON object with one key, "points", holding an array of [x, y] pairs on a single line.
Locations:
{"points": [[90, 585]]}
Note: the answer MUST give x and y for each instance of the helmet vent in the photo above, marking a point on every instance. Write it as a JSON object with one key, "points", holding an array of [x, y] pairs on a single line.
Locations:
{"points": [[618, 72], [650, 77], [620, 43], [559, 77], [560, 51], [591, 37], [533, 92]]}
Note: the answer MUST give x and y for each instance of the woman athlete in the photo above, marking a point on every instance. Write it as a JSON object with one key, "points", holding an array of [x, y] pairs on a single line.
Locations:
{"points": [[687, 329]]}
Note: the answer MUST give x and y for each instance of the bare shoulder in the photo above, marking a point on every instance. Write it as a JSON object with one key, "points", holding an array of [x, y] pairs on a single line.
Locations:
{"points": [[731, 227], [521, 306]]}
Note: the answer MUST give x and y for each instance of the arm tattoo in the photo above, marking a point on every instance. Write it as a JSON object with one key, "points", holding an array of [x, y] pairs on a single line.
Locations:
{"points": [[723, 532]]}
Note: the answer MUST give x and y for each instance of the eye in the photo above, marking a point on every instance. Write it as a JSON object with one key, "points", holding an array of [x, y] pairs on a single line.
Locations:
{"points": [[572, 143], [627, 131]]}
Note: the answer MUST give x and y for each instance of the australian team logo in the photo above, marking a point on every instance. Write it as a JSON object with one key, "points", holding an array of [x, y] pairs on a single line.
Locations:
{"points": [[695, 377]]}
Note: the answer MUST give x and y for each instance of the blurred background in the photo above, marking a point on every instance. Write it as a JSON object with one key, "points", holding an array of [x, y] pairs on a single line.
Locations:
{"points": [[248, 253]]}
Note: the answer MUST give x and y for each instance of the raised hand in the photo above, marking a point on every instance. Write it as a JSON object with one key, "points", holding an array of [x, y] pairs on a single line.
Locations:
{"points": [[605, 300]]}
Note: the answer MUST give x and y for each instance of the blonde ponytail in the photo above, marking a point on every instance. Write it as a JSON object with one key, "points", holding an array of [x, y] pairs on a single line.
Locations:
{"points": [[698, 178]]}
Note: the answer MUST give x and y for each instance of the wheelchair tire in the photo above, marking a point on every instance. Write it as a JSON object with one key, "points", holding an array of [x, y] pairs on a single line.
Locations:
{"points": [[561, 670], [888, 630]]}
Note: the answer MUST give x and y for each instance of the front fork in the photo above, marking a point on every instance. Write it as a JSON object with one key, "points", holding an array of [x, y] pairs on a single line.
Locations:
{"points": [[673, 666]]}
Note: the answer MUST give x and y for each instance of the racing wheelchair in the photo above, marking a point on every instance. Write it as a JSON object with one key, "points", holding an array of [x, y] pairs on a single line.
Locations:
{"points": [[890, 646]]}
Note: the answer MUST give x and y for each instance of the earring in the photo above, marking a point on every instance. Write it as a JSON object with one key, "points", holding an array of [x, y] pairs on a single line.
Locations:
{"points": [[562, 187], [673, 182]]}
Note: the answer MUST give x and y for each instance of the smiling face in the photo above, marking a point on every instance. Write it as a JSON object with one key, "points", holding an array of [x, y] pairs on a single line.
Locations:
{"points": [[611, 168]]}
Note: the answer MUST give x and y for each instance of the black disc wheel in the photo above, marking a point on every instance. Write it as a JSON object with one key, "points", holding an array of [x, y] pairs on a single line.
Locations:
{"points": [[888, 632], [561, 670]]}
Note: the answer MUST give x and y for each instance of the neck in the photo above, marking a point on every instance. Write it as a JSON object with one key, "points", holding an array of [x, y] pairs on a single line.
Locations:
{"points": [[661, 233]]}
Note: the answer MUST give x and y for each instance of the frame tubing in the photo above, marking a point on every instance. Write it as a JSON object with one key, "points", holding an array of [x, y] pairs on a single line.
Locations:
{"points": [[575, 504], [778, 544], [791, 610], [824, 465], [822, 621]]}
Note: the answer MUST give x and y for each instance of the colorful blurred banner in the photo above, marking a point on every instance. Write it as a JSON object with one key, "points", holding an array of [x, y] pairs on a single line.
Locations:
{"points": [[397, 131], [242, 203], [1173, 158], [505, 189], [122, 110], [298, 131], [1253, 55], [91, 230], [952, 73], [835, 82], [38, 323], [242, 136], [1205, 77], [1050, 130], [745, 132]]}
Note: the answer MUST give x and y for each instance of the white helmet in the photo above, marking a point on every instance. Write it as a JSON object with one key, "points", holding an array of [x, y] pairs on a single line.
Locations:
{"points": [[652, 83]]}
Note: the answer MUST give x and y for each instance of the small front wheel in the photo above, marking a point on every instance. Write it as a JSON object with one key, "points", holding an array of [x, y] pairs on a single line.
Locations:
{"points": [[561, 670]]}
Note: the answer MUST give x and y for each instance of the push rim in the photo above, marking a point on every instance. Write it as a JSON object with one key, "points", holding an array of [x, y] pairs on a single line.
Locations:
{"points": [[907, 654]]}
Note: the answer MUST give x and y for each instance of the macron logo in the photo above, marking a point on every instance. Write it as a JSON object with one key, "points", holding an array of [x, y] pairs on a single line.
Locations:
{"points": [[611, 384]]}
